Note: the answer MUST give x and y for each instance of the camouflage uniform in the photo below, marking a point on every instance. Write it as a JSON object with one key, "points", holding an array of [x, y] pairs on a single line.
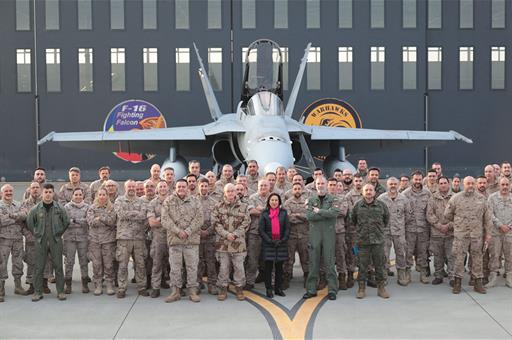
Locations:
{"points": [[11, 239], [252, 182], [370, 220], [492, 187], [254, 239], [501, 242], [230, 218], [149, 238], [29, 255], [94, 187], [182, 215], [131, 235], [350, 232], [283, 187], [102, 242], [75, 239], [394, 233], [379, 189], [66, 193], [207, 246], [472, 219], [159, 251], [221, 183], [341, 248], [298, 239], [417, 233], [440, 244]]}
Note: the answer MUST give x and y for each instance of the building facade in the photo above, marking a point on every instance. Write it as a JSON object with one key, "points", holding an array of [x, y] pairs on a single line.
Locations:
{"points": [[402, 64]]}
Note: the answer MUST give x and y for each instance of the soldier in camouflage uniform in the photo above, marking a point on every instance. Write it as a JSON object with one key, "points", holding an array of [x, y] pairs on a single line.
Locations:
{"points": [[39, 177], [299, 229], [242, 179], [182, 220], [501, 206], [352, 197], [257, 203], [362, 168], [296, 179], [168, 175], [472, 222], [230, 218], [212, 179], [11, 241], [417, 233], [104, 175], [112, 190], [207, 246], [252, 175], [394, 233], [492, 181], [430, 182], [318, 172], [66, 190], [75, 240], [154, 174], [281, 183], [370, 216], [404, 183], [225, 178], [241, 193], [347, 180], [159, 251], [101, 218], [373, 178], [441, 237], [149, 195], [131, 236]]}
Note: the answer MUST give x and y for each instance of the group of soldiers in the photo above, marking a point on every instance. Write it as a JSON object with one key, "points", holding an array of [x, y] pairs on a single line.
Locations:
{"points": [[202, 232]]}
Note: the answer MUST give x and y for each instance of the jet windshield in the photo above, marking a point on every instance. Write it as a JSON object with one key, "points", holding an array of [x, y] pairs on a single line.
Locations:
{"points": [[263, 69]]}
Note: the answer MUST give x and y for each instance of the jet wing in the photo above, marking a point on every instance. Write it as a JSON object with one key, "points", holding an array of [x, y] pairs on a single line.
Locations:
{"points": [[190, 140], [370, 140]]}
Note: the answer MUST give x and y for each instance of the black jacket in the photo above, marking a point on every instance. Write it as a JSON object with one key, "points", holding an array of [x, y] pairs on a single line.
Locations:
{"points": [[269, 250]]}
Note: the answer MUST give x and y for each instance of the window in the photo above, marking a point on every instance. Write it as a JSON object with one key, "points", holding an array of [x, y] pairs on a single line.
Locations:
{"points": [[23, 70], [498, 13], [498, 67], [149, 16], [182, 69], [51, 10], [435, 62], [466, 13], [248, 13], [215, 67], [84, 14], [117, 69], [345, 68], [85, 77], [409, 59], [22, 15], [181, 14], [313, 69], [150, 61], [377, 14], [117, 14], [466, 68], [377, 62], [214, 14], [435, 13], [313, 13], [280, 13], [345, 13], [409, 13], [53, 70]]}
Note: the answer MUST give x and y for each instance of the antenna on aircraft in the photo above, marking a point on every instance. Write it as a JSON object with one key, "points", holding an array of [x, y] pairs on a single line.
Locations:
{"points": [[296, 85], [213, 105]]}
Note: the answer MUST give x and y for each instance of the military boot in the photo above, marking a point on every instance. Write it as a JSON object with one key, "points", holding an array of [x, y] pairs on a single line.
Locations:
{"points": [[98, 289], [212, 289], [457, 285], [239, 294], [193, 295], [508, 281], [492, 280], [155, 293], [223, 294], [350, 279], [30, 290], [61, 297], [2, 290], [36, 297], [423, 276], [361, 292], [342, 281], [401, 277], [67, 288], [110, 288], [85, 285], [479, 287], [121, 294], [46, 289], [174, 296], [381, 291], [143, 292], [18, 289]]}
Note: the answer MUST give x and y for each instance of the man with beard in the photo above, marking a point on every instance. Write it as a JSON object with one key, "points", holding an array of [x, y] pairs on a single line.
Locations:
{"points": [[472, 223], [455, 183], [290, 173], [373, 179], [362, 168], [296, 179], [347, 179], [104, 175], [252, 175], [281, 183], [418, 232], [39, 177], [191, 184], [506, 170]]}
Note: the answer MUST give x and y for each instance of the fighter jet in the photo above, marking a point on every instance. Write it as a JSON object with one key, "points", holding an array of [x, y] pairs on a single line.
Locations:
{"points": [[261, 129]]}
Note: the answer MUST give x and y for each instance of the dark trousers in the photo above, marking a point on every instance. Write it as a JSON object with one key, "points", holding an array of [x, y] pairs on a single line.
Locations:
{"points": [[269, 266], [52, 247]]}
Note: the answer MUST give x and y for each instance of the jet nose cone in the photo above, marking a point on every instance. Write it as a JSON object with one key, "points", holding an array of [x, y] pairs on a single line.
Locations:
{"points": [[271, 167]]}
